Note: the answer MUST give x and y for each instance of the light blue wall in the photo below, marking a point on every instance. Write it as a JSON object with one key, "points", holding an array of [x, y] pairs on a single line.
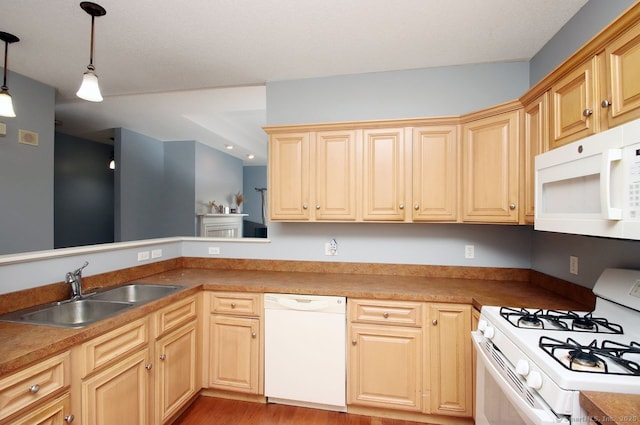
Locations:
{"points": [[430, 92], [26, 172]]}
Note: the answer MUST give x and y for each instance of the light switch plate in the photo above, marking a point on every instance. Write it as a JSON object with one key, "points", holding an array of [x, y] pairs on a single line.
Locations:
{"points": [[3, 129], [28, 137]]}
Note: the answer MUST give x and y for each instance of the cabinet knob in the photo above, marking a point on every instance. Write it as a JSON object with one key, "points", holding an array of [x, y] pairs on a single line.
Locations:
{"points": [[233, 305], [512, 207], [401, 206], [305, 206], [354, 341], [68, 419], [34, 388], [605, 103], [385, 315], [587, 112], [163, 357], [416, 207], [253, 334], [434, 322], [148, 366], [317, 207]]}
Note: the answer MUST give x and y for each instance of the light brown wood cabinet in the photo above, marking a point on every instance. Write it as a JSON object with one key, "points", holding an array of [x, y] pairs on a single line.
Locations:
{"points": [[23, 393], [491, 166], [435, 173], [385, 353], [177, 349], [235, 343], [620, 98], [451, 359], [113, 364], [313, 175], [536, 141], [574, 112], [55, 412], [410, 356], [384, 178]]}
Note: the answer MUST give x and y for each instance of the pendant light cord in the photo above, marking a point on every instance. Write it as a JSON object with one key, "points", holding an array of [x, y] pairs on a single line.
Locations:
{"points": [[4, 81], [91, 50]]}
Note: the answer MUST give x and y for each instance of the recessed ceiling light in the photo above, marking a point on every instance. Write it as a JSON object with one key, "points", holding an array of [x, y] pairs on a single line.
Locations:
{"points": [[251, 156], [228, 146]]}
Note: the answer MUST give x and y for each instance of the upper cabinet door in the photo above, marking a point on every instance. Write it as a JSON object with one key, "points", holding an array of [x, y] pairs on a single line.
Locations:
{"points": [[490, 169], [622, 98], [574, 112], [336, 173], [289, 176], [435, 171], [536, 141], [384, 167]]}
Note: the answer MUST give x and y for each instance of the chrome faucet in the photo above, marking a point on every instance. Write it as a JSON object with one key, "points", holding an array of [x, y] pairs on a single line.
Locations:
{"points": [[74, 279]]}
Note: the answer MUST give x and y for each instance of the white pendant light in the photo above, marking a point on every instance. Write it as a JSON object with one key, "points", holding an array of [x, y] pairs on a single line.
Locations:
{"points": [[89, 89], [6, 103]]}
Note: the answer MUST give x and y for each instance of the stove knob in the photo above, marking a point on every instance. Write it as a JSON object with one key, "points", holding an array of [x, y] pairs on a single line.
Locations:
{"points": [[489, 332], [534, 380], [522, 368], [482, 325]]}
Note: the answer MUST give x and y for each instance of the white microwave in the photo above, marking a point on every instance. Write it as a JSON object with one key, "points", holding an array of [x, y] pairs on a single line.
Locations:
{"points": [[592, 186]]}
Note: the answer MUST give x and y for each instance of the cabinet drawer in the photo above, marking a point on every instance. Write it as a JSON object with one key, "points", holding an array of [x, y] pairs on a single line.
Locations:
{"points": [[30, 385], [236, 304], [403, 313], [175, 315], [113, 345]]}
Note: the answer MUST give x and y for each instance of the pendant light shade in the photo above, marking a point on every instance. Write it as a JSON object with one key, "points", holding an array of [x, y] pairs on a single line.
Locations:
{"points": [[6, 103], [89, 89]]}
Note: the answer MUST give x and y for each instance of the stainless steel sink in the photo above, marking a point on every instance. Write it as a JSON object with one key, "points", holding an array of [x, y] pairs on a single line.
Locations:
{"points": [[92, 308], [68, 314], [137, 293]]}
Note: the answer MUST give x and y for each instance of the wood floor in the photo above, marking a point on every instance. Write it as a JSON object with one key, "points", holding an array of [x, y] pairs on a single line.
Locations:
{"points": [[210, 410]]}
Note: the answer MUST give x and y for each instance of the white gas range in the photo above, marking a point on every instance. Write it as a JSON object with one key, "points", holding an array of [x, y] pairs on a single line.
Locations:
{"points": [[532, 363]]}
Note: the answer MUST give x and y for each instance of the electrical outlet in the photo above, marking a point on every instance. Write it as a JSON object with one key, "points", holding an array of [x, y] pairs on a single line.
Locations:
{"points": [[214, 250], [469, 251], [156, 253], [143, 255], [331, 247], [573, 265]]}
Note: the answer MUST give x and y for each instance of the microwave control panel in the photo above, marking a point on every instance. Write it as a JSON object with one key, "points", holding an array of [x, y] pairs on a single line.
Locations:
{"points": [[632, 160]]}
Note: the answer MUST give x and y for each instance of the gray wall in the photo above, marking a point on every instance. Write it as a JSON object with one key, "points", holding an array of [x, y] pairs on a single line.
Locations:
{"points": [[592, 18], [179, 188], [218, 177], [26, 172], [84, 188], [254, 177], [139, 207]]}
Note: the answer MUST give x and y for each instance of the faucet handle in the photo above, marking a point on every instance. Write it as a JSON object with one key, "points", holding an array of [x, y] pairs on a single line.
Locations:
{"points": [[78, 271]]}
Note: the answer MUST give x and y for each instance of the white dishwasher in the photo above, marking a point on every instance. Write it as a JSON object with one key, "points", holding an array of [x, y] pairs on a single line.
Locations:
{"points": [[305, 350]]}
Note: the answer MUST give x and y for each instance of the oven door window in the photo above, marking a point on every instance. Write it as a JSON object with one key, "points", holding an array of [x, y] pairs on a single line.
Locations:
{"points": [[498, 394]]}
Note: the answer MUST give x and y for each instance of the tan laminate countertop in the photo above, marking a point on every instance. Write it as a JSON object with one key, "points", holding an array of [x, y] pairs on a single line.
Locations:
{"points": [[22, 344], [611, 408]]}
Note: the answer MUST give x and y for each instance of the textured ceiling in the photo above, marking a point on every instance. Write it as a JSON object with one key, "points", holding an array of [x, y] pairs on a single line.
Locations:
{"points": [[195, 70]]}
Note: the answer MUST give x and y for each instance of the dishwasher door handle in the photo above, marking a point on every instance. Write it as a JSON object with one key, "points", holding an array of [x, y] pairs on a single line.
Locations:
{"points": [[302, 304]]}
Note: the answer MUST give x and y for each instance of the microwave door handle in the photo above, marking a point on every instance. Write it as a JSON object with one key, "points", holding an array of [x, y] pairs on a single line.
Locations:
{"points": [[608, 157]]}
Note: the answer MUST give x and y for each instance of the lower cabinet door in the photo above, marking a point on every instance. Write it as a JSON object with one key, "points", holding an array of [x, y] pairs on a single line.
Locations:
{"points": [[234, 350], [176, 371], [385, 367], [119, 394], [56, 412]]}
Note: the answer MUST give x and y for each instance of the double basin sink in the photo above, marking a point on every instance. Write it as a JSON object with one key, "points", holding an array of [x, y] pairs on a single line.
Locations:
{"points": [[91, 308]]}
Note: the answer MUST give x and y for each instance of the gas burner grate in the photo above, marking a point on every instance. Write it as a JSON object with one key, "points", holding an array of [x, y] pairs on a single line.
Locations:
{"points": [[558, 321], [593, 358]]}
